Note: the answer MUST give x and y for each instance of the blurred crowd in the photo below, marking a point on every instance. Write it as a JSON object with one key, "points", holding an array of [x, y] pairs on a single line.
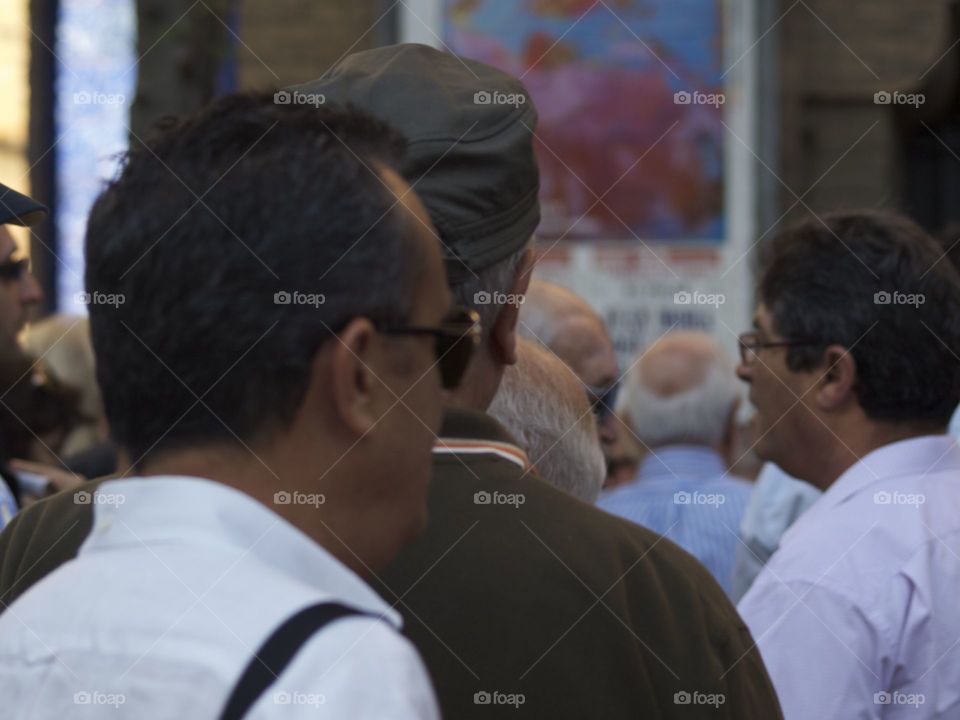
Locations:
{"points": [[329, 446]]}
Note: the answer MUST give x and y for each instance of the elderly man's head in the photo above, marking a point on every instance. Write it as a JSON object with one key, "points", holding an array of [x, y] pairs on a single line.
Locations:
{"points": [[682, 390], [473, 165], [542, 403], [563, 321]]}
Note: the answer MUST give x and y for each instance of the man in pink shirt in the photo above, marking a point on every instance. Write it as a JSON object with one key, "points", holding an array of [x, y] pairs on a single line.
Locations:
{"points": [[853, 368]]}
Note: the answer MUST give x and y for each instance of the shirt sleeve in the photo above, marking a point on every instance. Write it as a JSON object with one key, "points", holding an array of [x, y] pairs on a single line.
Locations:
{"points": [[358, 668], [821, 650]]}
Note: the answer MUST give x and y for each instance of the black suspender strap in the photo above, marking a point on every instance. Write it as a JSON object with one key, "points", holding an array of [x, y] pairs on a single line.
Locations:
{"points": [[277, 652]]}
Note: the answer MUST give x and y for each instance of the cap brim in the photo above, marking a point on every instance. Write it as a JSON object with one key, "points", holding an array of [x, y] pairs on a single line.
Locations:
{"points": [[17, 209]]}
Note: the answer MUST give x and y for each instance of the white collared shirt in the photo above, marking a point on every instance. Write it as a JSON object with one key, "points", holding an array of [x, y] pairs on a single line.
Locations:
{"points": [[857, 614], [179, 583]]}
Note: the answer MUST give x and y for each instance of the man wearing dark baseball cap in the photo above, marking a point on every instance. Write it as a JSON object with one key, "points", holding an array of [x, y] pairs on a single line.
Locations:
{"points": [[517, 594]]}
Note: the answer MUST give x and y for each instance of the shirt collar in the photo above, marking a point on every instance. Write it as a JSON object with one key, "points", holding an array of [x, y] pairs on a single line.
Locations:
{"points": [[191, 510], [469, 432], [915, 457], [687, 462]]}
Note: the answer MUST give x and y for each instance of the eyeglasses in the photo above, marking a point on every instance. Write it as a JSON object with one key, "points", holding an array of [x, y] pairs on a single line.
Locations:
{"points": [[14, 269], [455, 340], [603, 399], [750, 342]]}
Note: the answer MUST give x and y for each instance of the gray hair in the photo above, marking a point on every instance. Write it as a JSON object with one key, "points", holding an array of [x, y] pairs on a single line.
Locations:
{"points": [[699, 415], [543, 404], [497, 278]]}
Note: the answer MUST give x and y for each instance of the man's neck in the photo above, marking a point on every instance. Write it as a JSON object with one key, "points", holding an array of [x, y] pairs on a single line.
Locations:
{"points": [[846, 452]]}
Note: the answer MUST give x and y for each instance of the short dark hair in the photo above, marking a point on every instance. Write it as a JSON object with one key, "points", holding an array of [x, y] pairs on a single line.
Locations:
{"points": [[874, 283], [190, 250]]}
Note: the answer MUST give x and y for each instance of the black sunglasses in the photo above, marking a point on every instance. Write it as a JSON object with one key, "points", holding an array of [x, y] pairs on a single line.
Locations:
{"points": [[14, 269], [750, 342], [454, 342], [603, 400]]}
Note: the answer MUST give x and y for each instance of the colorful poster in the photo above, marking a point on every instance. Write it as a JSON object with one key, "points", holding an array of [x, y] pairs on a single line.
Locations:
{"points": [[631, 104]]}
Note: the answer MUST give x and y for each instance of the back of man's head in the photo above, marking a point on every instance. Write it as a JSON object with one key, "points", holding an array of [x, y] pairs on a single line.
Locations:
{"points": [[879, 286], [471, 160], [681, 390], [543, 404], [561, 320], [199, 254]]}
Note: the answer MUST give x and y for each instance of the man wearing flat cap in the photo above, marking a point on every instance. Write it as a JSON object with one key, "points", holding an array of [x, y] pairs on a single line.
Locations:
{"points": [[517, 595]]}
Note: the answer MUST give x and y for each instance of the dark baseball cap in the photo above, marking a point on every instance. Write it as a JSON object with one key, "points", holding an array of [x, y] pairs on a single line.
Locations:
{"points": [[470, 157], [17, 209]]}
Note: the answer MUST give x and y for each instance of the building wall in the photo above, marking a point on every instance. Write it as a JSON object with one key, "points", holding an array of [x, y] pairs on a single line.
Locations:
{"points": [[833, 57], [293, 41]]}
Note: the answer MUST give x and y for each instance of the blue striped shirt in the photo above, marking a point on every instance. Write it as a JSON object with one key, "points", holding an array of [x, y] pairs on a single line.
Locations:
{"points": [[685, 493]]}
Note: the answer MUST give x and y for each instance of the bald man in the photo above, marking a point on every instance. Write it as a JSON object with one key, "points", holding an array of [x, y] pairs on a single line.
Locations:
{"points": [[542, 403], [565, 323], [680, 400]]}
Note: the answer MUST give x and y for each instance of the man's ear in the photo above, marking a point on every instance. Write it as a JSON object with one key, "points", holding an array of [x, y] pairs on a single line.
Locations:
{"points": [[837, 379], [354, 386], [503, 334]]}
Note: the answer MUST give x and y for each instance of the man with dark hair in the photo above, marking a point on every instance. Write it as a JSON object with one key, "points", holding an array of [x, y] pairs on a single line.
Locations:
{"points": [[515, 586], [273, 384], [854, 369]]}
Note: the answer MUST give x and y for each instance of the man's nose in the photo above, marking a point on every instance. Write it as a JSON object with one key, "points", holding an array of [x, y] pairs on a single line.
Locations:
{"points": [[30, 291], [744, 372]]}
